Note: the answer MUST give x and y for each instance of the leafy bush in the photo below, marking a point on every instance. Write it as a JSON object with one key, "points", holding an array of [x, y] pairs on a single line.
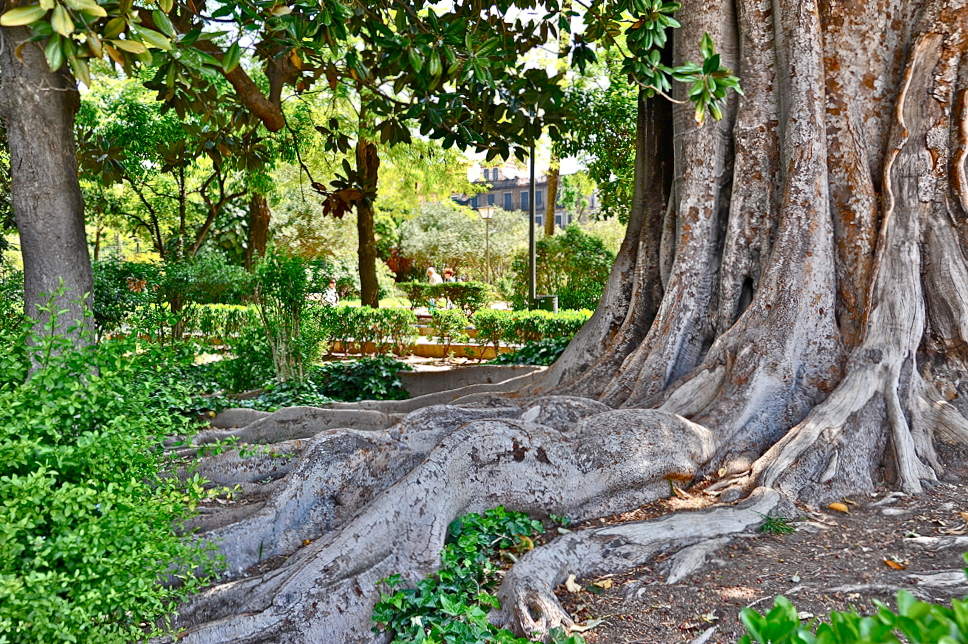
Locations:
{"points": [[574, 266], [388, 329], [221, 321], [470, 297], [118, 294], [282, 284], [915, 621], [522, 327], [87, 521], [376, 378], [542, 352], [450, 326], [452, 605]]}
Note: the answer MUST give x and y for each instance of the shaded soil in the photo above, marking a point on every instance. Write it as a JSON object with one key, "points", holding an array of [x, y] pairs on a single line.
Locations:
{"points": [[833, 561]]}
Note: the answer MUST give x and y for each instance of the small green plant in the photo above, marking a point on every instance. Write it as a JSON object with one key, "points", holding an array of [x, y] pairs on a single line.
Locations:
{"points": [[542, 352], [776, 524], [914, 621], [449, 326], [452, 605]]}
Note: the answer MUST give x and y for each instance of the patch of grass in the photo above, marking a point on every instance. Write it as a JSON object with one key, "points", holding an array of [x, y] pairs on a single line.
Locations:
{"points": [[776, 524]]}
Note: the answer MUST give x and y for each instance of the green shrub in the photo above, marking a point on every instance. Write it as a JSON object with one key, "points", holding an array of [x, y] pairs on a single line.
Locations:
{"points": [[470, 297], [450, 326], [118, 294], [88, 524], [452, 605], [573, 265], [388, 329], [221, 321], [498, 328], [915, 621], [542, 353], [376, 378]]}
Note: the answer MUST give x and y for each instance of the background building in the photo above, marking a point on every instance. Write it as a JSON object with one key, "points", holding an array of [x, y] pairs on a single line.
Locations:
{"points": [[509, 188]]}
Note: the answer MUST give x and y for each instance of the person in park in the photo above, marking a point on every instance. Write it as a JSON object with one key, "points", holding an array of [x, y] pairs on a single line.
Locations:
{"points": [[433, 277], [331, 296]]}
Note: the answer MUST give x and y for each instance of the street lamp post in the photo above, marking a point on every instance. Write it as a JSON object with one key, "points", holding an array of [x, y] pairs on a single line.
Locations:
{"points": [[486, 213]]}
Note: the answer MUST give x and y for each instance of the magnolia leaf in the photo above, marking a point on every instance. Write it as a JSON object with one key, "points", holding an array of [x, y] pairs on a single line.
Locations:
{"points": [[87, 6], [132, 46], [54, 53], [81, 71], [893, 564], [114, 28], [281, 10], [839, 507], [61, 21], [114, 54], [22, 16], [232, 57], [153, 38], [166, 5]]}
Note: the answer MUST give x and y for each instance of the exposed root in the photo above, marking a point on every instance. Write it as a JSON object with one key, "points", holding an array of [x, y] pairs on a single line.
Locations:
{"points": [[529, 605]]}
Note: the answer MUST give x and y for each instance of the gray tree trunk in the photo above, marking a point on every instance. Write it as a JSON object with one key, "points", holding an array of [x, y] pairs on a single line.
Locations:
{"points": [[37, 107], [787, 318]]}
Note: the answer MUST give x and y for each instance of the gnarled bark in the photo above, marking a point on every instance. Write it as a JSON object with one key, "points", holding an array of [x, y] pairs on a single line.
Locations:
{"points": [[787, 317]]}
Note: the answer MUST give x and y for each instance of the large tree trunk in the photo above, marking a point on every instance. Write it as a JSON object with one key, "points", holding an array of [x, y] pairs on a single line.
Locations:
{"points": [[38, 107], [368, 165], [787, 318]]}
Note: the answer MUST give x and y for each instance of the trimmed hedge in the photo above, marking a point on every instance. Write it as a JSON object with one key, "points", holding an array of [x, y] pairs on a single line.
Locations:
{"points": [[470, 297], [522, 327], [388, 329]]}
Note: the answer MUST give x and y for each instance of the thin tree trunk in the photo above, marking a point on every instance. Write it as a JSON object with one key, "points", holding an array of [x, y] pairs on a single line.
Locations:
{"points": [[259, 218], [553, 174], [368, 165], [38, 108]]}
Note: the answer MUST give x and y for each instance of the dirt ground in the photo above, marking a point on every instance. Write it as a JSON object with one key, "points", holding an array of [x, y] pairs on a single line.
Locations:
{"points": [[832, 561]]}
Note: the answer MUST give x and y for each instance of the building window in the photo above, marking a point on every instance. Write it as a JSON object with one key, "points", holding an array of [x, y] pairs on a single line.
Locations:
{"points": [[490, 199], [509, 201], [558, 220], [539, 198], [538, 220], [474, 202], [524, 200]]}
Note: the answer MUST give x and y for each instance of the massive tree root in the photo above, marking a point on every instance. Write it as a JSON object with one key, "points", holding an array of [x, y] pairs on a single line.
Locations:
{"points": [[787, 318]]}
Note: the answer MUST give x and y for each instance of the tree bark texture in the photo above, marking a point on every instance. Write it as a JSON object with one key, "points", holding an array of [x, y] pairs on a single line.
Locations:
{"points": [[38, 108], [787, 318], [368, 167], [259, 218]]}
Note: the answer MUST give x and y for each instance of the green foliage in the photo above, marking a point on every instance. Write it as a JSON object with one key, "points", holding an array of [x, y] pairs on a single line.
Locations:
{"points": [[282, 284], [376, 378], [221, 321], [574, 266], [543, 353], [11, 300], [498, 328], [775, 524], [87, 521], [115, 298], [470, 297], [449, 326], [914, 621], [444, 234], [452, 605], [388, 329]]}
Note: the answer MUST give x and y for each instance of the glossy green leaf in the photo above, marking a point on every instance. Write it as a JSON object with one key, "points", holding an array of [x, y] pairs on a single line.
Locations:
{"points": [[61, 21], [20, 16]]}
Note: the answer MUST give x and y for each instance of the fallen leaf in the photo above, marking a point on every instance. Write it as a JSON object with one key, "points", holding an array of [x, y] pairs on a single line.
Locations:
{"points": [[964, 516], [681, 493], [605, 583], [846, 500], [710, 617], [526, 543], [795, 578], [804, 615], [587, 625], [306, 542], [571, 586], [839, 507], [893, 564]]}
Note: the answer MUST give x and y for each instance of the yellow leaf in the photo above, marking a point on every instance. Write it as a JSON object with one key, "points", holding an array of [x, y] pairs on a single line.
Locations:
{"points": [[22, 16], [964, 516], [605, 583], [132, 46], [571, 586], [114, 54], [61, 21], [839, 507], [893, 564]]}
